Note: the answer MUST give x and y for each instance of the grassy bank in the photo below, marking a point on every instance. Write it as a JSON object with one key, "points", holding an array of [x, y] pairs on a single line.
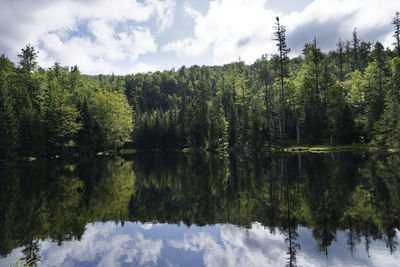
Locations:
{"points": [[329, 148], [285, 148]]}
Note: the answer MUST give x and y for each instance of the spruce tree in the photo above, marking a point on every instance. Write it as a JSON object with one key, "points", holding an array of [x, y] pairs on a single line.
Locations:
{"points": [[280, 34], [396, 35], [198, 124], [340, 53], [356, 46], [28, 58]]}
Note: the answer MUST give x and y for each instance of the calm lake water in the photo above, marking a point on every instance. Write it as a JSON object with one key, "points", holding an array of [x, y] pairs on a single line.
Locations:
{"points": [[175, 209]]}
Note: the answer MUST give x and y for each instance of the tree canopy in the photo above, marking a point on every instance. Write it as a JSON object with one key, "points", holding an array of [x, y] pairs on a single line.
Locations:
{"points": [[341, 96]]}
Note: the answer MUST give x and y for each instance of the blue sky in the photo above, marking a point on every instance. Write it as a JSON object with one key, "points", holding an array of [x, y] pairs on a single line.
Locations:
{"points": [[129, 36]]}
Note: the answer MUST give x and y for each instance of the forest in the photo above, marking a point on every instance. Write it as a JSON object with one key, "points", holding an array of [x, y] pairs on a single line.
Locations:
{"points": [[350, 95]]}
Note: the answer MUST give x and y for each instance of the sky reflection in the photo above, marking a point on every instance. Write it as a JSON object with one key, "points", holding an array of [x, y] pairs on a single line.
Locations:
{"points": [[135, 244]]}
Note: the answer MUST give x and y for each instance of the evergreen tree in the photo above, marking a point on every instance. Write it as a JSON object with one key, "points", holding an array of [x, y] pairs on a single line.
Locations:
{"points": [[312, 89], [198, 124], [280, 34], [396, 23], [376, 85], [355, 50], [340, 54], [8, 121], [28, 58], [348, 57], [255, 123], [388, 127], [217, 129], [364, 53], [266, 78], [354, 88], [59, 115]]}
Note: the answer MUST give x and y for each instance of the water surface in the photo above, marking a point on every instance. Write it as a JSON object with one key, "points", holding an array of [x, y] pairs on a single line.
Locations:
{"points": [[175, 209]]}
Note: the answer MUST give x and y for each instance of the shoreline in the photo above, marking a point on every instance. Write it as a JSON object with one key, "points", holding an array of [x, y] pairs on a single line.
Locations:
{"points": [[246, 151]]}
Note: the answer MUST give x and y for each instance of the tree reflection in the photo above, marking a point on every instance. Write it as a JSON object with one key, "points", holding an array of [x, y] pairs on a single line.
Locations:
{"points": [[358, 194], [54, 200]]}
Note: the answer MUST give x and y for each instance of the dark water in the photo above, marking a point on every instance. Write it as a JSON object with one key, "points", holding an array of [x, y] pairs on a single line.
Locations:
{"points": [[170, 209]]}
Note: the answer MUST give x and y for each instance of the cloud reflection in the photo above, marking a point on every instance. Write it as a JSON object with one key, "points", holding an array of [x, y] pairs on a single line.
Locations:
{"points": [[238, 247], [110, 244], [259, 247], [102, 246]]}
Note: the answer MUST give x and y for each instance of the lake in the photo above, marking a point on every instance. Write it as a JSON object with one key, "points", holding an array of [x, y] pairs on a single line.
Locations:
{"points": [[184, 209]]}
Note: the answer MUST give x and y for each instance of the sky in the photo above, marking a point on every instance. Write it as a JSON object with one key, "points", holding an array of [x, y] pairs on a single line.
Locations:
{"points": [[131, 36]]}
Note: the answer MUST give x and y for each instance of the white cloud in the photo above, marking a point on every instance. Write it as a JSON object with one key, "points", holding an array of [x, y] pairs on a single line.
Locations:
{"points": [[227, 24], [100, 242], [144, 68], [165, 12], [190, 11], [99, 55], [330, 19], [111, 36], [105, 36], [244, 28]]}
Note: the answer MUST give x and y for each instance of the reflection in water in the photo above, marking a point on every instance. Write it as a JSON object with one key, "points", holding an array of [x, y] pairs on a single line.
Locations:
{"points": [[103, 247], [354, 198]]}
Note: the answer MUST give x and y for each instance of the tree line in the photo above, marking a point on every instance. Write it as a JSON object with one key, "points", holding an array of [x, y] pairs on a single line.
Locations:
{"points": [[347, 95]]}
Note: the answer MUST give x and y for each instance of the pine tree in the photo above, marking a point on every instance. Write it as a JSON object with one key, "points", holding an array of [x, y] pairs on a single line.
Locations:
{"points": [[255, 123], [198, 124], [340, 51], [217, 125], [388, 128], [8, 121], [364, 55], [374, 90], [280, 34], [28, 58], [60, 117], [313, 85], [356, 46], [396, 23]]}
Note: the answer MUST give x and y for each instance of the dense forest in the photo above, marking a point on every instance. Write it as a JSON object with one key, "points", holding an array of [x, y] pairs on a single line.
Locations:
{"points": [[348, 95]]}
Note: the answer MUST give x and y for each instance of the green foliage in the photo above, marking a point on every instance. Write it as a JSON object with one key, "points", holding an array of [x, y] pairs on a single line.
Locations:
{"points": [[57, 111], [198, 115], [256, 123], [314, 82], [339, 97], [28, 58], [217, 130], [8, 120], [59, 116], [387, 128], [56, 199], [112, 116]]}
